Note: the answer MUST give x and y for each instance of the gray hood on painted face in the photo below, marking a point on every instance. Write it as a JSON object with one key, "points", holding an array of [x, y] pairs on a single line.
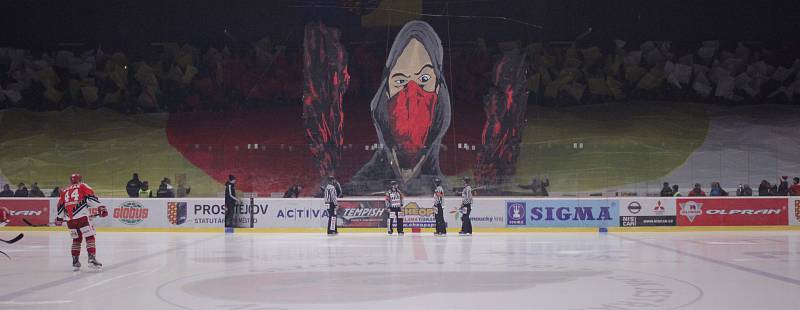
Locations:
{"points": [[381, 167]]}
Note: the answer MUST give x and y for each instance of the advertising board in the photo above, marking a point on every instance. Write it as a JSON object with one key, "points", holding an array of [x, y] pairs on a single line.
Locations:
{"points": [[732, 211]]}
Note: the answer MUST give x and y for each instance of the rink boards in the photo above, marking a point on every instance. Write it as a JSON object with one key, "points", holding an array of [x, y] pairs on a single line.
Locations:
{"points": [[488, 214]]}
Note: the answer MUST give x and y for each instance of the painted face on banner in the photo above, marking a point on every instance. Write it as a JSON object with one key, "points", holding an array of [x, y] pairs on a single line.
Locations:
{"points": [[411, 112], [413, 65], [412, 101]]}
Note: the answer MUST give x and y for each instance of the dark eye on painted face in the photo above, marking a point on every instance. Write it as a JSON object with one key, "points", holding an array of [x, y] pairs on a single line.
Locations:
{"points": [[400, 81], [424, 78]]}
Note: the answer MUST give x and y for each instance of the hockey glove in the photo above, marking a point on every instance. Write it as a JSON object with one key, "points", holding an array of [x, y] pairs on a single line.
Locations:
{"points": [[102, 211]]}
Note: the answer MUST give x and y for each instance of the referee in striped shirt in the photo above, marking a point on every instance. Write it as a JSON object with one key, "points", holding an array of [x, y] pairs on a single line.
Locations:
{"points": [[438, 199], [331, 201], [466, 209]]}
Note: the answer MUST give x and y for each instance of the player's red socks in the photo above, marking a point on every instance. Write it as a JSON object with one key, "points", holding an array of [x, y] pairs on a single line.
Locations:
{"points": [[90, 245], [76, 246]]}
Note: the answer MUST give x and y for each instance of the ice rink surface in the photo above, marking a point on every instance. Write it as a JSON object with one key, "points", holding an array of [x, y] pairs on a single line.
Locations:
{"points": [[680, 270]]}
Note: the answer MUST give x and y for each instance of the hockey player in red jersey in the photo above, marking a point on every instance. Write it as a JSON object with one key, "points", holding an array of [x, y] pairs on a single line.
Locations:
{"points": [[74, 203]]}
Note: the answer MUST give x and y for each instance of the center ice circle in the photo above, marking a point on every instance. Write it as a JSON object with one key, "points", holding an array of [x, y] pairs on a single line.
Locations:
{"points": [[338, 287], [550, 287]]}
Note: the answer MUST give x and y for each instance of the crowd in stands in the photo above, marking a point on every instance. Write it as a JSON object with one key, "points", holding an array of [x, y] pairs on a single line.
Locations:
{"points": [[175, 77], [782, 188], [537, 186], [23, 191], [657, 70], [137, 188], [293, 191], [141, 189]]}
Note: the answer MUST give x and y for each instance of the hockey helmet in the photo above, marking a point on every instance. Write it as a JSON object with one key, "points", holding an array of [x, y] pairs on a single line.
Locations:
{"points": [[75, 178]]}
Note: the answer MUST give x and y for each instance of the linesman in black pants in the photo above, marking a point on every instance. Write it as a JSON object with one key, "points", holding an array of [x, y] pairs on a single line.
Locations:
{"points": [[230, 201], [466, 209], [394, 202], [438, 199], [331, 201]]}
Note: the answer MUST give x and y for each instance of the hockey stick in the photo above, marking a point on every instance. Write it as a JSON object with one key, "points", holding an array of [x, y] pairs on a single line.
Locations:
{"points": [[458, 190], [49, 223], [13, 240], [455, 210], [32, 225], [17, 238]]}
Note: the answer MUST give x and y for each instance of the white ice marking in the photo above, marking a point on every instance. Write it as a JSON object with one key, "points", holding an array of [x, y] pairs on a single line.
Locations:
{"points": [[35, 303], [106, 281]]}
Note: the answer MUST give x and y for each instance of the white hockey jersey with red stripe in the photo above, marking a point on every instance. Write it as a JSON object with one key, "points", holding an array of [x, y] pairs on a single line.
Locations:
{"points": [[75, 201]]}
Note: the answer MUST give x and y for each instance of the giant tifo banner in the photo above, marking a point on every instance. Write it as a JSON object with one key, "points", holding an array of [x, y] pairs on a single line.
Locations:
{"points": [[732, 211], [647, 212], [563, 213]]}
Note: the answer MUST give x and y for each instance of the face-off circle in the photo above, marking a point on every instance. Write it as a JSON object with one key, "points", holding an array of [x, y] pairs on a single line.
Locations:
{"points": [[437, 285]]}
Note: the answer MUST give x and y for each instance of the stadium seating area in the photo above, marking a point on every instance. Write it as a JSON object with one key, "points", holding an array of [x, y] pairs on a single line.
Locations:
{"points": [[173, 77], [258, 89]]}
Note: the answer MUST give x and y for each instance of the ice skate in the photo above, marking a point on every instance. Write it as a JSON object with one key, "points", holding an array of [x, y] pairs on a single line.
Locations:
{"points": [[76, 265], [94, 264]]}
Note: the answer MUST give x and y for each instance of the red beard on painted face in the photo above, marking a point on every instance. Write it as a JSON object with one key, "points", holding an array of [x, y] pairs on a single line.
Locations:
{"points": [[410, 122]]}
